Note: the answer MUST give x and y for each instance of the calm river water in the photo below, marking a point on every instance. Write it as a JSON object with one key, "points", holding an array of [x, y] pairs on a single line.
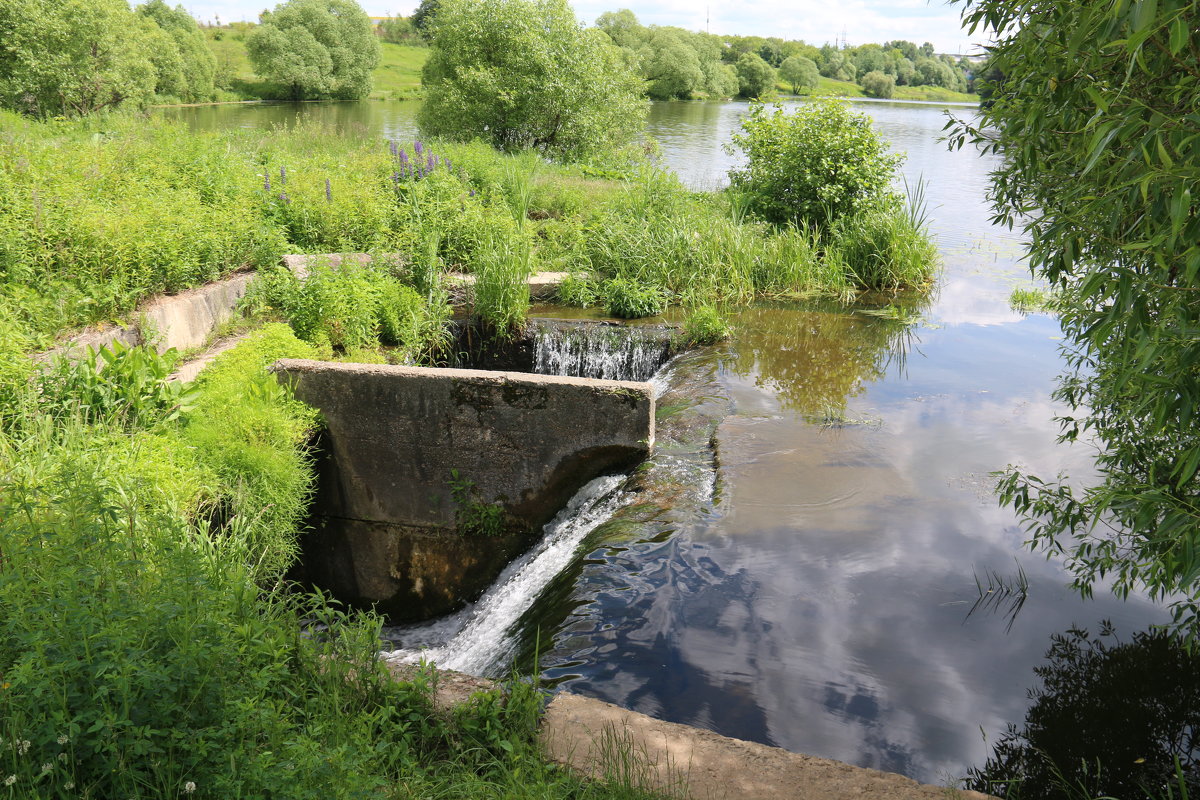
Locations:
{"points": [[810, 585]]}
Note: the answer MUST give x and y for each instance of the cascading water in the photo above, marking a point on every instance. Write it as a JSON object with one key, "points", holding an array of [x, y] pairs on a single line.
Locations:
{"points": [[611, 352], [478, 640]]}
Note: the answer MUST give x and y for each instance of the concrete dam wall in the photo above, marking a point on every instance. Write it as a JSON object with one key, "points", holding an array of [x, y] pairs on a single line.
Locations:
{"points": [[388, 522]]}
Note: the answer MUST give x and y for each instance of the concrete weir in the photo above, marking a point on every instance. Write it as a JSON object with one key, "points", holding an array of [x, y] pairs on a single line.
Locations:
{"points": [[386, 523]]}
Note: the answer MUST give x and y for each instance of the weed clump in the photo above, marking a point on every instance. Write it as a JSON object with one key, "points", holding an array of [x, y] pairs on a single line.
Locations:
{"points": [[629, 299]]}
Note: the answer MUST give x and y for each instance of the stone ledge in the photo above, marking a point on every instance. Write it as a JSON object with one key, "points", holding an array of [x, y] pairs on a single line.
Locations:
{"points": [[683, 761]]}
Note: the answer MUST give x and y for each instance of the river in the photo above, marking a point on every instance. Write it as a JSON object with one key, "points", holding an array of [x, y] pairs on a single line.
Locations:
{"points": [[802, 562]]}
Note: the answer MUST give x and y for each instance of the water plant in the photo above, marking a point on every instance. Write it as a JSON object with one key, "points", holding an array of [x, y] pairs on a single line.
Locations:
{"points": [[705, 325], [472, 516], [629, 299], [1032, 299]]}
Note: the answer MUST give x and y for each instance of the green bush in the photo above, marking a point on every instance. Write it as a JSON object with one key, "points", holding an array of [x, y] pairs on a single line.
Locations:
{"points": [[355, 307], [815, 165], [530, 77], [878, 84], [705, 325], [628, 299], [117, 384]]}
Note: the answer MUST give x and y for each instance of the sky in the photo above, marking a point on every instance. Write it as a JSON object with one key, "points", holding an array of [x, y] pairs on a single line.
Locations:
{"points": [[815, 21]]}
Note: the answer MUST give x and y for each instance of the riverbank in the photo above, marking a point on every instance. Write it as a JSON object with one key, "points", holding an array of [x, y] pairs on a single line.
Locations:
{"points": [[185, 502]]}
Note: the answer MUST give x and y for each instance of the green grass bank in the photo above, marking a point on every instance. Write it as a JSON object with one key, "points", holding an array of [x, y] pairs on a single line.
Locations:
{"points": [[149, 644]]}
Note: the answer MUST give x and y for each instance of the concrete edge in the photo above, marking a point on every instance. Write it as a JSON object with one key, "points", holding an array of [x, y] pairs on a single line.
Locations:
{"points": [[582, 734], [202, 309], [309, 366]]}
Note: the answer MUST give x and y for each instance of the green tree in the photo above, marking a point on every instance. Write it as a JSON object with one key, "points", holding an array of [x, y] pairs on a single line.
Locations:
{"points": [[878, 84], [1096, 120], [423, 17], [399, 30], [622, 27], [192, 79], [72, 56], [837, 66], [755, 76], [523, 73], [815, 165], [316, 49], [868, 58], [801, 73], [673, 70]]}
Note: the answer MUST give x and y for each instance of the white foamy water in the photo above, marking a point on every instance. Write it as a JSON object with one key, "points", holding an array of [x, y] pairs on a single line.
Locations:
{"points": [[479, 638], [622, 353]]}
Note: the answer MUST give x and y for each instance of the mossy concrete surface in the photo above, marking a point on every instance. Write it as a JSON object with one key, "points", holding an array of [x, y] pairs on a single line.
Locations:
{"points": [[386, 522]]}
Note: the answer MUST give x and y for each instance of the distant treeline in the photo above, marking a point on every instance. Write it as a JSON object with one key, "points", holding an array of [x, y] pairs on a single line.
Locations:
{"points": [[678, 63]]}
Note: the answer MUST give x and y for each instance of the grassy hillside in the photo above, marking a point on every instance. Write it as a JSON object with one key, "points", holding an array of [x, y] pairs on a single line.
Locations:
{"points": [[831, 88], [398, 74], [399, 70]]}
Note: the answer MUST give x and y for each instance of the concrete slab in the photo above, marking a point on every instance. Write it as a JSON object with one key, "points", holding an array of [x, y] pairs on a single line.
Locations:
{"points": [[579, 732]]}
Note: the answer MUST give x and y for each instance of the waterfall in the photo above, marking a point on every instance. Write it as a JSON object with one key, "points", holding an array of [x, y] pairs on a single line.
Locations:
{"points": [[612, 352], [479, 639]]}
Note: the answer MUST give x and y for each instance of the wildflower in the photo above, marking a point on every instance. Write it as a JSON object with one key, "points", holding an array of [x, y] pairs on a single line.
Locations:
{"points": [[284, 197], [69, 785], [47, 767], [404, 157], [392, 146], [10, 780], [328, 191], [63, 738], [283, 176], [21, 747], [189, 787], [472, 194], [432, 162], [266, 181], [396, 179], [62, 757]]}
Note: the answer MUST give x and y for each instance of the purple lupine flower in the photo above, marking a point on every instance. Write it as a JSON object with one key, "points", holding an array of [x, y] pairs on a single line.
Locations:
{"points": [[282, 175], [404, 157], [446, 161], [266, 181], [417, 146], [396, 180], [328, 191], [431, 162], [472, 194], [393, 147], [284, 197]]}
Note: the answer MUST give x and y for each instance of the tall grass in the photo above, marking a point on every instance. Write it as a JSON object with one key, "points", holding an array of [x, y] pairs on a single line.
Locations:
{"points": [[149, 647]]}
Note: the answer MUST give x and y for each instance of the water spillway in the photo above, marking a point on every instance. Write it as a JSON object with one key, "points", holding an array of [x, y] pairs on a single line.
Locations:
{"points": [[599, 349], [478, 640], [609, 352]]}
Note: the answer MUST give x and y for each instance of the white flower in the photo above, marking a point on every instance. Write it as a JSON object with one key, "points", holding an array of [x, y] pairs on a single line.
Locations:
{"points": [[22, 747], [62, 757], [47, 767], [189, 787], [63, 739], [69, 785], [10, 780]]}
